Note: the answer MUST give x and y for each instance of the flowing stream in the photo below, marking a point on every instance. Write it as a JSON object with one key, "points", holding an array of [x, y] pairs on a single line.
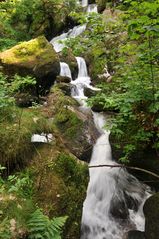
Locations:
{"points": [[114, 201], [65, 70]]}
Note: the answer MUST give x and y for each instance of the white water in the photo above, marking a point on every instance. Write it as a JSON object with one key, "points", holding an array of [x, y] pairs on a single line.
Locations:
{"points": [[83, 81], [92, 8], [59, 41], [84, 3], [65, 70], [114, 202], [109, 193]]}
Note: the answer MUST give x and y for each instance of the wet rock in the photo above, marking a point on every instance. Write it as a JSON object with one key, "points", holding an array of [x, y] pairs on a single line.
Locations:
{"points": [[79, 132], [90, 92], [63, 79], [65, 87], [67, 56], [36, 58], [118, 208], [134, 234], [75, 124], [151, 211]]}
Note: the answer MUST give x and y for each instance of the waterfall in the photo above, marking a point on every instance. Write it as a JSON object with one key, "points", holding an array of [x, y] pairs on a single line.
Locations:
{"points": [[114, 199], [65, 70], [114, 202], [84, 3], [58, 42], [92, 8]]}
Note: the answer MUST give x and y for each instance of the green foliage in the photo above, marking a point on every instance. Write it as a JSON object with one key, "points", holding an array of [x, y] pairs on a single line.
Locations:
{"points": [[134, 89], [17, 204], [21, 84], [4, 229], [6, 101], [75, 177], [39, 17], [40, 226], [70, 170]]}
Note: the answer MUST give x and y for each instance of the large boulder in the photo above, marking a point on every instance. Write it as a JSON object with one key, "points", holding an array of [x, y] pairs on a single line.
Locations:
{"points": [[151, 211], [76, 126], [36, 58]]}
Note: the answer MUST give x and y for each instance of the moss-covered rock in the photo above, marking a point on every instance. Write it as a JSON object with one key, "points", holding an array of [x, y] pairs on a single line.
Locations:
{"points": [[63, 79], [151, 211], [76, 127], [36, 58]]}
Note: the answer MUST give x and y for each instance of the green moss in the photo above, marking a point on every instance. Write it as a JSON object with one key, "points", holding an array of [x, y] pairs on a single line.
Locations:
{"points": [[16, 147], [60, 183], [34, 50], [65, 114], [68, 123]]}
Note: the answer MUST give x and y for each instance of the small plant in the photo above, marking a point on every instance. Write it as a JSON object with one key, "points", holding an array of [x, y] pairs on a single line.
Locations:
{"points": [[40, 226], [22, 84]]}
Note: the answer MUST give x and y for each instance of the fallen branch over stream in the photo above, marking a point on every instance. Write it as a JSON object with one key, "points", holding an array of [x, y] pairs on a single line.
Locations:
{"points": [[124, 166]]}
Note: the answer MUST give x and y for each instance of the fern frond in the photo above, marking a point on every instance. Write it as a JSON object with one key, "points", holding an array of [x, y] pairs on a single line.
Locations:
{"points": [[41, 227]]}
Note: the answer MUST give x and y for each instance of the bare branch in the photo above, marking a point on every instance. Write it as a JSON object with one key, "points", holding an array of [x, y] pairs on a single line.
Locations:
{"points": [[124, 166]]}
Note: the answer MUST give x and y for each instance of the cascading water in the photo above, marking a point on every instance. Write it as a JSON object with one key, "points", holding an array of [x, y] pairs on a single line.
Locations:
{"points": [[114, 202], [65, 70], [58, 42], [83, 81], [84, 3], [115, 198], [92, 8]]}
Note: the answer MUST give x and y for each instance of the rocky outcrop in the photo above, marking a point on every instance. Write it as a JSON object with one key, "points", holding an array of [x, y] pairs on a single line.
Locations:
{"points": [[151, 211], [36, 58]]}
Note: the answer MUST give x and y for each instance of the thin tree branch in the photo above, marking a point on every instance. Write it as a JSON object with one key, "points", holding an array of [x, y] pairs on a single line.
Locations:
{"points": [[124, 166]]}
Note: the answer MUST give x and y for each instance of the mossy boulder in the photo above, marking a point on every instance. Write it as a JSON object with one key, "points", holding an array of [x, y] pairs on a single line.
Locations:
{"points": [[76, 127], [151, 211], [36, 58]]}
